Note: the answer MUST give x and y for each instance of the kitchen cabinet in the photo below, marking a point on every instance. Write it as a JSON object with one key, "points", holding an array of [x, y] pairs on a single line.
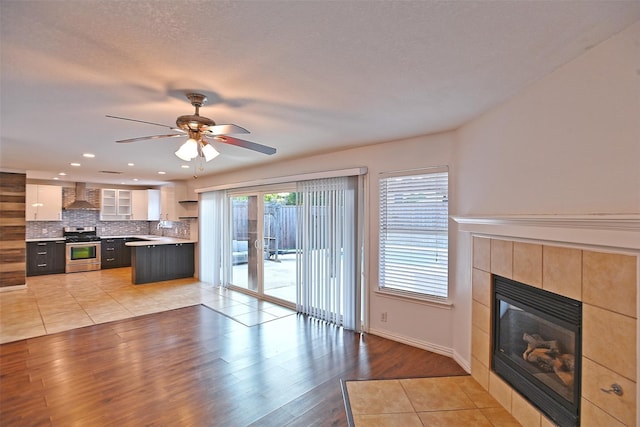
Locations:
{"points": [[156, 263], [168, 204], [46, 257], [115, 253], [116, 204], [43, 202], [145, 205]]}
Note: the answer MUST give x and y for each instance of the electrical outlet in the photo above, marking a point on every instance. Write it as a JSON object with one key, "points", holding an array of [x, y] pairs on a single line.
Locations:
{"points": [[383, 316]]}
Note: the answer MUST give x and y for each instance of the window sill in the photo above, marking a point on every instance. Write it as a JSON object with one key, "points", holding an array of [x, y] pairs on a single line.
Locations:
{"points": [[424, 300]]}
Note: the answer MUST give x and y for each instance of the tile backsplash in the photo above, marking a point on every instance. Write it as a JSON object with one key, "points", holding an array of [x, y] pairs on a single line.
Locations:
{"points": [[83, 218]]}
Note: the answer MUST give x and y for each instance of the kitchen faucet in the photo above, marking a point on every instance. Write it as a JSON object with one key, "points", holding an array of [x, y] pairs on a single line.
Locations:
{"points": [[162, 225]]}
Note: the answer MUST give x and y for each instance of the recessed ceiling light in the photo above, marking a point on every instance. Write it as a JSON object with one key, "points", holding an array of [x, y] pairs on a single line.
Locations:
{"points": [[56, 178], [161, 172], [62, 174], [75, 164], [135, 179], [185, 166], [88, 155], [130, 164]]}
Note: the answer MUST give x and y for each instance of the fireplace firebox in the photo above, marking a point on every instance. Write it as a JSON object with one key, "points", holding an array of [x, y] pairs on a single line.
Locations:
{"points": [[537, 347]]}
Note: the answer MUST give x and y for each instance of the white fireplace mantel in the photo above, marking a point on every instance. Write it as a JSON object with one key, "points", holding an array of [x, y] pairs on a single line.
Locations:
{"points": [[603, 230]]}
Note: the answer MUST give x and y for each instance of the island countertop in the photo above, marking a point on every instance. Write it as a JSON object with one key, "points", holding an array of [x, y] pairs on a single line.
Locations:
{"points": [[158, 240]]}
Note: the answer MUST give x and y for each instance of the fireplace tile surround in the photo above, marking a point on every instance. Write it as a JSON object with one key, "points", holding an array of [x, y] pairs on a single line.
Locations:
{"points": [[605, 282]]}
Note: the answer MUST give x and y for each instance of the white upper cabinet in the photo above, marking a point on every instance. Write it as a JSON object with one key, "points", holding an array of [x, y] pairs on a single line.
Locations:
{"points": [[43, 202], [145, 205], [168, 204], [116, 204]]}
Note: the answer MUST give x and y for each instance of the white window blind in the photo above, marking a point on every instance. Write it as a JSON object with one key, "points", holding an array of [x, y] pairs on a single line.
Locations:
{"points": [[414, 218]]}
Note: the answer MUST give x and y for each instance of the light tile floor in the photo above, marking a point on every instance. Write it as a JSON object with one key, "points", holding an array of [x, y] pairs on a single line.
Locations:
{"points": [[445, 401], [61, 302]]}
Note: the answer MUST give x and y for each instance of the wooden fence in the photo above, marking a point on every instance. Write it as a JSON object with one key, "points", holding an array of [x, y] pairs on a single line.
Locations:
{"points": [[279, 224]]}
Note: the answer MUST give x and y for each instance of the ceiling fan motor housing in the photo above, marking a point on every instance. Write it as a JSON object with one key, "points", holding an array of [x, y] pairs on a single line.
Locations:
{"points": [[195, 122]]}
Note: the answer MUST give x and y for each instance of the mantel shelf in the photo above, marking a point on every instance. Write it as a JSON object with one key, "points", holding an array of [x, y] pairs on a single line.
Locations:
{"points": [[629, 222], [610, 230], [187, 201]]}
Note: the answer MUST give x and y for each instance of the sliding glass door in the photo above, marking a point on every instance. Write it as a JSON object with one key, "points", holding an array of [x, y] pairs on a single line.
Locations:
{"points": [[244, 242], [263, 243], [279, 245]]}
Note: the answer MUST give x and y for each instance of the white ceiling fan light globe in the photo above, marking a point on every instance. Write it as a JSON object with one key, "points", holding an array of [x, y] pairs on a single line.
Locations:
{"points": [[209, 152], [188, 150]]}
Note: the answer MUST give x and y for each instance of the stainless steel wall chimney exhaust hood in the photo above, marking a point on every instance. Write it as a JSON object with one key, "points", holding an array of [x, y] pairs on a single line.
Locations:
{"points": [[81, 203]]}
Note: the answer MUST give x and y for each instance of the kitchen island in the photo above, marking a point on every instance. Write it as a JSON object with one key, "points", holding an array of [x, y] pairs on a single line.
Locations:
{"points": [[156, 259]]}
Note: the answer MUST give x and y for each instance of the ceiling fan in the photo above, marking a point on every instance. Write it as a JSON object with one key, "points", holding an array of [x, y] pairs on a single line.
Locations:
{"points": [[201, 131]]}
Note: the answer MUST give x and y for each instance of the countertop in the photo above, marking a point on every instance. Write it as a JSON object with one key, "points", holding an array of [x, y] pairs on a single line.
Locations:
{"points": [[147, 239], [158, 240]]}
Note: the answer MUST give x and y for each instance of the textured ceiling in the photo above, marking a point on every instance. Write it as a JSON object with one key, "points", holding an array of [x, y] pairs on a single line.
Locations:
{"points": [[303, 77]]}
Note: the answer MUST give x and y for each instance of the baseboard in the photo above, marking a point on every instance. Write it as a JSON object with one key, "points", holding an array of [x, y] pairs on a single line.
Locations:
{"points": [[12, 288], [434, 348], [464, 363]]}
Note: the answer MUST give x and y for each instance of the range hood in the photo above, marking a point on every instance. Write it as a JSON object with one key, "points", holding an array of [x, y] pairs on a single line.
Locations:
{"points": [[80, 203]]}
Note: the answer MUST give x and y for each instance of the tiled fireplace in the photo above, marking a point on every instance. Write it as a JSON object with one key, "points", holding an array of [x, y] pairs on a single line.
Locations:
{"points": [[537, 346], [603, 278]]}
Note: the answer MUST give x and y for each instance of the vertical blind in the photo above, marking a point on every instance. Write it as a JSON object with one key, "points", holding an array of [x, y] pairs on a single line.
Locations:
{"points": [[212, 217], [327, 273], [414, 218]]}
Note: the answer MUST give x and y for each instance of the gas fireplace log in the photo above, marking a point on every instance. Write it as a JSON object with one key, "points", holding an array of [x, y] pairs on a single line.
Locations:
{"points": [[535, 341], [547, 356], [563, 366], [543, 358]]}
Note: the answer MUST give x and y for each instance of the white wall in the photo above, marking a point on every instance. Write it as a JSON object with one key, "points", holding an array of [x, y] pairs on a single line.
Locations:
{"points": [[568, 144]]}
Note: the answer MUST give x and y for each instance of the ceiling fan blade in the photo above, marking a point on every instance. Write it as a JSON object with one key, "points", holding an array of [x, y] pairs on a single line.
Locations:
{"points": [[142, 138], [245, 144], [225, 129], [142, 121]]}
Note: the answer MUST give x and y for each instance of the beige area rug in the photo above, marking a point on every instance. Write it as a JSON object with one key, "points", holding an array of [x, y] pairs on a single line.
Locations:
{"points": [[442, 401]]}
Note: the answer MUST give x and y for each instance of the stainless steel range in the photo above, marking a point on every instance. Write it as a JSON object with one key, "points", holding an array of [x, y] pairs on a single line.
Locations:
{"points": [[83, 249]]}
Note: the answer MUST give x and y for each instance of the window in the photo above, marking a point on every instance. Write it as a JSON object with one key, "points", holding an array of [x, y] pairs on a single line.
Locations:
{"points": [[414, 218]]}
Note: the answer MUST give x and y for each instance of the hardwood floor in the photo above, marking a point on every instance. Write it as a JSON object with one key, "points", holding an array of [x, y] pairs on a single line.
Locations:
{"points": [[194, 366]]}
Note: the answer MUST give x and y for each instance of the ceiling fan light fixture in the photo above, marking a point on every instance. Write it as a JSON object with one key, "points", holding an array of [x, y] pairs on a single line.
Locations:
{"points": [[209, 152], [188, 150]]}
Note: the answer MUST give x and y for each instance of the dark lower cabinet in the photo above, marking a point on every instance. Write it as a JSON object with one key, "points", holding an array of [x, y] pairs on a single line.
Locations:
{"points": [[115, 252], [46, 257], [110, 253], [155, 263]]}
